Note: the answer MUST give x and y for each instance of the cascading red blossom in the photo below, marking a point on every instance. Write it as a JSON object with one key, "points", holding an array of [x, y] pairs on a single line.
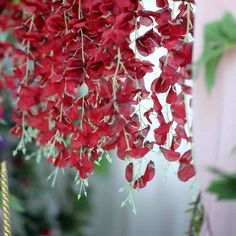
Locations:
{"points": [[77, 82], [174, 34]]}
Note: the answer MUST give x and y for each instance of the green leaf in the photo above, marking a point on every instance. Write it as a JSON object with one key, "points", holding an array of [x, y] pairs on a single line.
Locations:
{"points": [[210, 72], [224, 187], [16, 1], [218, 37], [15, 203], [11, 39], [228, 27]]}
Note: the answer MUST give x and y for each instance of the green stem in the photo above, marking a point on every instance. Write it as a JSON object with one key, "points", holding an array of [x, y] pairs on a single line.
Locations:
{"points": [[189, 23], [114, 78]]}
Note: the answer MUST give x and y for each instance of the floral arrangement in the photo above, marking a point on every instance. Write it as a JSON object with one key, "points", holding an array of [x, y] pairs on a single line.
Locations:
{"points": [[78, 85]]}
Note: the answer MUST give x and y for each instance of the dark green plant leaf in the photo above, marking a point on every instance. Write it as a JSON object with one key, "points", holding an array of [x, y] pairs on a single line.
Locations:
{"points": [[224, 187]]}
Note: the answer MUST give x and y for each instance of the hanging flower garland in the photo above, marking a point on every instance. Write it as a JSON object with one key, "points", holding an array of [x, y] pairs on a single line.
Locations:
{"points": [[77, 83], [176, 36]]}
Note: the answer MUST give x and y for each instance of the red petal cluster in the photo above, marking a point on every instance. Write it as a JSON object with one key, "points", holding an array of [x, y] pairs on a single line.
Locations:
{"points": [[76, 81], [142, 181], [174, 34]]}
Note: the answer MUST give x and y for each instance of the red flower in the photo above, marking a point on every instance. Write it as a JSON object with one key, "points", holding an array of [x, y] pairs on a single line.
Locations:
{"points": [[146, 44], [140, 183], [129, 172], [55, 23], [77, 82], [162, 3], [161, 133], [186, 171], [170, 155], [149, 172]]}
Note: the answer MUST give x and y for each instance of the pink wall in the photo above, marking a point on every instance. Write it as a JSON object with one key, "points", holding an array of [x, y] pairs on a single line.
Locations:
{"points": [[214, 123]]}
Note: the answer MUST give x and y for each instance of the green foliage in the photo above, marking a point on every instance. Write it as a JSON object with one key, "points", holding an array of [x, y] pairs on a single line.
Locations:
{"points": [[196, 210], [224, 187], [102, 166], [15, 203], [28, 183], [219, 36], [16, 1]]}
